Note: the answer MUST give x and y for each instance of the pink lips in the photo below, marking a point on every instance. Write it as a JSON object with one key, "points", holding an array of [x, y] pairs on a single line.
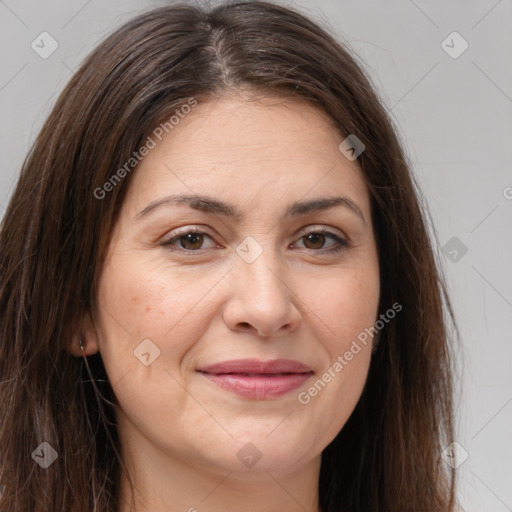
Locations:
{"points": [[257, 379]]}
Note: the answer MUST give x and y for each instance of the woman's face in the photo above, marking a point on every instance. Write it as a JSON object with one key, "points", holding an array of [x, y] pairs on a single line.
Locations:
{"points": [[268, 275]]}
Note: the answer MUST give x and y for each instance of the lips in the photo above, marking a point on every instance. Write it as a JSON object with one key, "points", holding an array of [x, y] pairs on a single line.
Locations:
{"points": [[254, 367], [258, 379]]}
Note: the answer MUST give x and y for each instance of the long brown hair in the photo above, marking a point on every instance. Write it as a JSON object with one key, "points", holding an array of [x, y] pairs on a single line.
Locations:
{"points": [[55, 232]]}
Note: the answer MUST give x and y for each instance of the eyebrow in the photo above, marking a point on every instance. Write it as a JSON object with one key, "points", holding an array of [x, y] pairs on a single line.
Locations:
{"points": [[211, 205]]}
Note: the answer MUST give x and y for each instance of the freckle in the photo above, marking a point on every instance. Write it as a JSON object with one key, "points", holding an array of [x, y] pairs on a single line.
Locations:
{"points": [[148, 308]]}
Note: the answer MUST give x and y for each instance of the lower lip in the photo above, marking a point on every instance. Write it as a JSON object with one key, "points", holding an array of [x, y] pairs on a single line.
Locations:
{"points": [[259, 386]]}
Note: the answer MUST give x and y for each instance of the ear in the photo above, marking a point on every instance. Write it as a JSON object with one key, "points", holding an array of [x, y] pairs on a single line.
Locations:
{"points": [[85, 330]]}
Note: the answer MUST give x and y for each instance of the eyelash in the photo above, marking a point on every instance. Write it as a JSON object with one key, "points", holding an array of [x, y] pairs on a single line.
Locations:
{"points": [[341, 243]]}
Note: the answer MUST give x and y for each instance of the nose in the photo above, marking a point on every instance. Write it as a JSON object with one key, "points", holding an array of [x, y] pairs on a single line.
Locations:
{"points": [[262, 300]]}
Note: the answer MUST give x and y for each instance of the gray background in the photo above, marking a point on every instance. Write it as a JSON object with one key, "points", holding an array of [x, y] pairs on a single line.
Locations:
{"points": [[454, 115]]}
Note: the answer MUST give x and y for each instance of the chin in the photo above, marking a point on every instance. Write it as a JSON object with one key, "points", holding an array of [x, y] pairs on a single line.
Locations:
{"points": [[265, 451]]}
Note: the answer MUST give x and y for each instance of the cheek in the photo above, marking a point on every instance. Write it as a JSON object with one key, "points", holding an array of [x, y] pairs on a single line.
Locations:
{"points": [[348, 314], [347, 303], [351, 315], [143, 299]]}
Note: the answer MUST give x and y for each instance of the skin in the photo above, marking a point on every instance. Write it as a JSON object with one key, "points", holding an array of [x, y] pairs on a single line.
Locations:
{"points": [[180, 433]]}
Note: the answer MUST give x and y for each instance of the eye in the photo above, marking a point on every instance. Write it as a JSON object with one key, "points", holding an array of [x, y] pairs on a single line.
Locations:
{"points": [[190, 240], [314, 240]]}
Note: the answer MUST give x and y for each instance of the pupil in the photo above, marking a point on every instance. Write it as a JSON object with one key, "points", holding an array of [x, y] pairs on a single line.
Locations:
{"points": [[193, 238], [314, 237]]}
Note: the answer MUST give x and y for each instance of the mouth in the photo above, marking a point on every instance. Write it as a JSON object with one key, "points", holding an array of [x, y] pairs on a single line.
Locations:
{"points": [[258, 379]]}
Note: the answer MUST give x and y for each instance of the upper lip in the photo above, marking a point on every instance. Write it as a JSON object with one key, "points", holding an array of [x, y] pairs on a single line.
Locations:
{"points": [[254, 366]]}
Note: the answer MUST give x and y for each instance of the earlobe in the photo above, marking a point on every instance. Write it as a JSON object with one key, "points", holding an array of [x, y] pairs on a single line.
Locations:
{"points": [[80, 347], [84, 339]]}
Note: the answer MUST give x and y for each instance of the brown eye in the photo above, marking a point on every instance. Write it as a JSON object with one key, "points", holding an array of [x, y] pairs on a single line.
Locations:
{"points": [[188, 241], [191, 241], [315, 241]]}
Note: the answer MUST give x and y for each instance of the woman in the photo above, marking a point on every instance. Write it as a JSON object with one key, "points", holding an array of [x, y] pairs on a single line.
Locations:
{"points": [[217, 287]]}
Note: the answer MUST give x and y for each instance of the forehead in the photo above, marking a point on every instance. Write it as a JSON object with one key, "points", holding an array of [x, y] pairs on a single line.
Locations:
{"points": [[246, 150]]}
